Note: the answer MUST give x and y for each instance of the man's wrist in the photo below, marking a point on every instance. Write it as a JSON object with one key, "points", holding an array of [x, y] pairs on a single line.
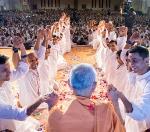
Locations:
{"points": [[120, 95], [15, 50]]}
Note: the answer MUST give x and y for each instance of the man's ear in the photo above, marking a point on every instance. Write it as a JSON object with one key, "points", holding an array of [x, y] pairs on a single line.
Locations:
{"points": [[146, 60]]}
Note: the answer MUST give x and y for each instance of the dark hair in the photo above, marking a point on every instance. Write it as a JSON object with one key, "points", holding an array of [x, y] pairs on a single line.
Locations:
{"points": [[3, 59], [118, 53], [49, 46], [113, 41], [127, 53], [142, 51]]}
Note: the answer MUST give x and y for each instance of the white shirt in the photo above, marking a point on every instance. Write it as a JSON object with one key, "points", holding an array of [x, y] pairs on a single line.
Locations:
{"points": [[112, 36], [7, 99], [121, 42], [140, 116], [120, 74], [11, 112], [29, 85]]}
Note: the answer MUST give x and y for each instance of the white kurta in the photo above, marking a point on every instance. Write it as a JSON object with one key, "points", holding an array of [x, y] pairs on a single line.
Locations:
{"points": [[48, 71], [98, 55], [112, 36], [121, 42], [104, 57], [7, 98], [139, 119], [68, 38], [95, 42], [130, 86], [30, 86], [120, 78], [61, 62], [110, 66], [63, 42]]}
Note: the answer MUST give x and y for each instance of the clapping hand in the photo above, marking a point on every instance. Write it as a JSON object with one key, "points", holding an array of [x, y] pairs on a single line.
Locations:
{"points": [[112, 93], [50, 99]]}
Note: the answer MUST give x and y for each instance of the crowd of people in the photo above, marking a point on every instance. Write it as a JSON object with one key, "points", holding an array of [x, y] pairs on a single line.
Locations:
{"points": [[122, 59], [26, 24], [124, 65], [34, 75]]}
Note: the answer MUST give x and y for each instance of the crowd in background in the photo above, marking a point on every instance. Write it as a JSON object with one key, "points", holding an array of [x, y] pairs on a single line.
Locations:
{"points": [[122, 62], [26, 24]]}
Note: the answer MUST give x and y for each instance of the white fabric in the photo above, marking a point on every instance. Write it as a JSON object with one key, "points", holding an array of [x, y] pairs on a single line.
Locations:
{"points": [[95, 40], [140, 117], [20, 71], [29, 85], [48, 71], [6, 98], [110, 66], [130, 86], [121, 42], [101, 55], [112, 36], [61, 62], [29, 88], [105, 57], [10, 112], [120, 78], [68, 38]]}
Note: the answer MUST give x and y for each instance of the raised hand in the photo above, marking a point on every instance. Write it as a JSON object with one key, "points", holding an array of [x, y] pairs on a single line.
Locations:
{"points": [[18, 42], [40, 33], [123, 31]]}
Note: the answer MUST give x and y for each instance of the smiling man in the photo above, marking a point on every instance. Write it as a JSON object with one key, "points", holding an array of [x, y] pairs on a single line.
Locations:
{"points": [[138, 108]]}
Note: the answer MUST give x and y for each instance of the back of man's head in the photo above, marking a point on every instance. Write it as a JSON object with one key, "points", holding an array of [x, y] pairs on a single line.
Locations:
{"points": [[82, 77], [3, 59]]}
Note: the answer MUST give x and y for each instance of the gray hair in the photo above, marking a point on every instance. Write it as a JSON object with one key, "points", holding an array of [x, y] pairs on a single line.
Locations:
{"points": [[82, 77]]}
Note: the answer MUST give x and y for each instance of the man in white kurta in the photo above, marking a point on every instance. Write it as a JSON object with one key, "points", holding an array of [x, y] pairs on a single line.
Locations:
{"points": [[137, 109], [48, 70], [30, 86], [141, 107], [6, 94], [122, 38]]}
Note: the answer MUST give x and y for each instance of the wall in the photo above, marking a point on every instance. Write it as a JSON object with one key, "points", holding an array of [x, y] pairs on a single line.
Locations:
{"points": [[65, 3], [141, 5], [5, 4], [97, 4], [84, 2]]}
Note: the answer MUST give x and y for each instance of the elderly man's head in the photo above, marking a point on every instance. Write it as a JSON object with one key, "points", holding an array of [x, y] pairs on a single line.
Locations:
{"points": [[83, 79], [33, 61]]}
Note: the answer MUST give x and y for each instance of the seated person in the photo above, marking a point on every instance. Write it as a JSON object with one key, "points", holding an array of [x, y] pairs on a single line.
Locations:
{"points": [[80, 114]]}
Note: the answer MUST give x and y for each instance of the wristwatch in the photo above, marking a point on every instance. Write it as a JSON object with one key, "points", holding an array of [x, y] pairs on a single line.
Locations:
{"points": [[15, 50], [23, 56]]}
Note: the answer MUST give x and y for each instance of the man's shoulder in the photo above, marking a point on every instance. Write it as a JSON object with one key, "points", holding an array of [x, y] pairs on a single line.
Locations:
{"points": [[103, 105]]}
